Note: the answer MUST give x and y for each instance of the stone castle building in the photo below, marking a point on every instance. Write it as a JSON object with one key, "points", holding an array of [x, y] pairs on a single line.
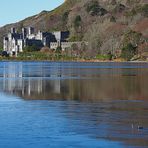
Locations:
{"points": [[15, 42]]}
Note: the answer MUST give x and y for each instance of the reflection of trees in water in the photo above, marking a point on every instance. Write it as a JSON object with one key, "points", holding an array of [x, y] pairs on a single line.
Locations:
{"points": [[114, 87], [101, 88], [42, 82]]}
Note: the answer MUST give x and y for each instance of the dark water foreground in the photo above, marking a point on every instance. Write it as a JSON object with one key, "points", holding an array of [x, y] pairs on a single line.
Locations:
{"points": [[60, 105]]}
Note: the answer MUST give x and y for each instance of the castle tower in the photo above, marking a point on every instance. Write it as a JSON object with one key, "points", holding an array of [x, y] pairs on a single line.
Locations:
{"points": [[13, 30], [5, 44], [39, 35], [24, 33], [30, 30]]}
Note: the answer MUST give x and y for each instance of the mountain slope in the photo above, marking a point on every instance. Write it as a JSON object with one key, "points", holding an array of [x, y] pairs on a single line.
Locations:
{"points": [[108, 25]]}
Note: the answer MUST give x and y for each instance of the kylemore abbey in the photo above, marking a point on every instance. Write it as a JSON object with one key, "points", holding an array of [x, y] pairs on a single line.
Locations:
{"points": [[15, 42]]}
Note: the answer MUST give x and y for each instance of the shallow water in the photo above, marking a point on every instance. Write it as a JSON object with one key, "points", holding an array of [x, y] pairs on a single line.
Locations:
{"points": [[63, 104]]}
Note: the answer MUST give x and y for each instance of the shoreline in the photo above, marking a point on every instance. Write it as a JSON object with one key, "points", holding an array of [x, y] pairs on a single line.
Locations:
{"points": [[81, 61]]}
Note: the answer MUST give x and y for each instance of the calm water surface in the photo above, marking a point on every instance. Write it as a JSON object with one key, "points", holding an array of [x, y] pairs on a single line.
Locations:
{"points": [[86, 105]]}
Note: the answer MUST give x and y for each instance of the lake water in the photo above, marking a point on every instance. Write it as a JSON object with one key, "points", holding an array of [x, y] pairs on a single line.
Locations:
{"points": [[73, 105]]}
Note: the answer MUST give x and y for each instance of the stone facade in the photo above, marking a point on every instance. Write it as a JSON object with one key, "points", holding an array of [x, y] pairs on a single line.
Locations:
{"points": [[64, 45], [15, 42]]}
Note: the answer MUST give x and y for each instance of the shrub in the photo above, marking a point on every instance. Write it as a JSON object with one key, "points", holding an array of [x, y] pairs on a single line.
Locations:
{"points": [[65, 19], [76, 37], [5, 54], [73, 38], [144, 10], [74, 47], [94, 8], [113, 19], [77, 21], [132, 12], [119, 8], [132, 37], [31, 48], [59, 49], [128, 51], [110, 56], [1, 49], [113, 2], [65, 16]]}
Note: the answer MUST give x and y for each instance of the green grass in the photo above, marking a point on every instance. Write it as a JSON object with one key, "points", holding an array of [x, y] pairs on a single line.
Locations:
{"points": [[103, 57], [39, 56]]}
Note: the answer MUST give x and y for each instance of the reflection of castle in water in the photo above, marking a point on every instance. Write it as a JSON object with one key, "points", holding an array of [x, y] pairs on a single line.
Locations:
{"points": [[54, 81], [24, 82]]}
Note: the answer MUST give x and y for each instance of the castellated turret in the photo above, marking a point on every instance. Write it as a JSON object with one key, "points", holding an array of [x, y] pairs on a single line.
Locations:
{"points": [[24, 33], [30, 30], [13, 30]]}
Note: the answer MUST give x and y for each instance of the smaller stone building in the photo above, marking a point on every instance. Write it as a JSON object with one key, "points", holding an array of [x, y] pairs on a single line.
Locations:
{"points": [[64, 45]]}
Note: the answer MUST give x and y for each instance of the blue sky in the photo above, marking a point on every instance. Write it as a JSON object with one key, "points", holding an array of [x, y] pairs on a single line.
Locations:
{"points": [[15, 10]]}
